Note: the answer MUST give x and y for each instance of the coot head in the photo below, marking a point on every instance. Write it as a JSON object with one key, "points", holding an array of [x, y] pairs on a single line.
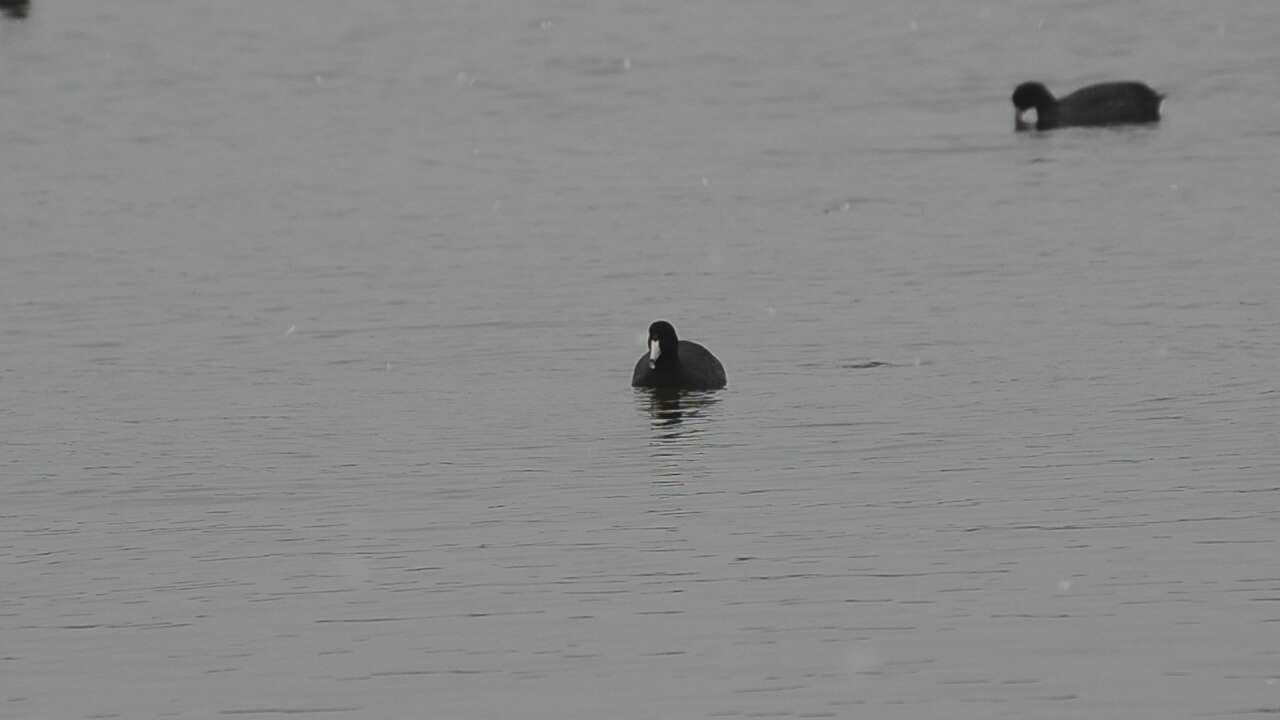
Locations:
{"points": [[1030, 95], [664, 346]]}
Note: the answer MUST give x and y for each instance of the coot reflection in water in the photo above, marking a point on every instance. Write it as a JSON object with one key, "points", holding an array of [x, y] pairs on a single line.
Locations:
{"points": [[668, 408], [678, 419], [17, 9]]}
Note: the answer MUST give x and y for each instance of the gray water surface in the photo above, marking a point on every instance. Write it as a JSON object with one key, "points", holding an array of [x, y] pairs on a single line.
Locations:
{"points": [[319, 319]]}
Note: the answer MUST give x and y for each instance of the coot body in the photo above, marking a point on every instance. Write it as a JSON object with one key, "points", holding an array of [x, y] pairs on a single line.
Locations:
{"points": [[1112, 103], [675, 363]]}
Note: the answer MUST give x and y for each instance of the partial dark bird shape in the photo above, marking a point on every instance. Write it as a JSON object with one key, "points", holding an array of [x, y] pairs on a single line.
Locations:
{"points": [[17, 9]]}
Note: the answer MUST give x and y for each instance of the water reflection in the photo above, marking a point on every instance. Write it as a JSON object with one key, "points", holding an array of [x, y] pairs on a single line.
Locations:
{"points": [[678, 418], [669, 409], [15, 8]]}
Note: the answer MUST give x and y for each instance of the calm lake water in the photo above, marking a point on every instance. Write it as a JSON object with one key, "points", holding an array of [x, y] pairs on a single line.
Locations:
{"points": [[319, 319]]}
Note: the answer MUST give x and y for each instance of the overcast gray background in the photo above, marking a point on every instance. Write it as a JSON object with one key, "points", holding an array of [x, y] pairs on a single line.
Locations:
{"points": [[319, 317]]}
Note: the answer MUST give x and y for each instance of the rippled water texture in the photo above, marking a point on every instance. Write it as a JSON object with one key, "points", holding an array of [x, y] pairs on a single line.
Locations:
{"points": [[319, 320]]}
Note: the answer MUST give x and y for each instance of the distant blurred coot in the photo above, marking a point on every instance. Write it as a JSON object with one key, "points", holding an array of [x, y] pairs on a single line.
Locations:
{"points": [[675, 363], [1113, 103]]}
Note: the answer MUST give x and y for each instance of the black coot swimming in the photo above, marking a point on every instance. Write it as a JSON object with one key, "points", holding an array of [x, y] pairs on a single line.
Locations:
{"points": [[675, 363], [1112, 103]]}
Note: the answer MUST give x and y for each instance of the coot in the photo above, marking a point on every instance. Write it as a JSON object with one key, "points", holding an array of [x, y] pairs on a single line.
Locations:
{"points": [[1112, 103], [675, 363]]}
